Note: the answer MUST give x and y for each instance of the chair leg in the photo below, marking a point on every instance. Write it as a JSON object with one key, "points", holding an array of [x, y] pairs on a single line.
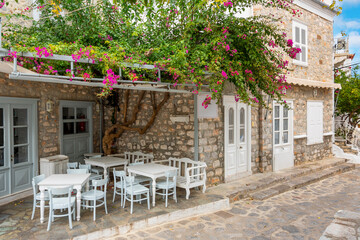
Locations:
{"points": [[105, 204], [69, 214], [204, 188], [94, 210], [33, 212], [132, 203], [175, 197], [114, 194], [167, 196], [50, 219], [148, 200], [122, 197], [74, 210]]}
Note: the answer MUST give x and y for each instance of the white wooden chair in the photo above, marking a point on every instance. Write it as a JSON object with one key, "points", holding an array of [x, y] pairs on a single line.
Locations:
{"points": [[135, 157], [36, 193], [59, 202], [72, 165], [77, 171], [119, 184], [93, 176], [132, 189], [167, 187], [95, 195]]}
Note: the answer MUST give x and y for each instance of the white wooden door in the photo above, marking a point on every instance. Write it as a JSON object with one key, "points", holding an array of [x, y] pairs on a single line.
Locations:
{"points": [[17, 147], [283, 137], [76, 129], [237, 142]]}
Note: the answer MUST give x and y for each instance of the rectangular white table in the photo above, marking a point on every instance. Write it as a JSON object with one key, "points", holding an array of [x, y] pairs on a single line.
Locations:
{"points": [[151, 170], [106, 162], [59, 180]]}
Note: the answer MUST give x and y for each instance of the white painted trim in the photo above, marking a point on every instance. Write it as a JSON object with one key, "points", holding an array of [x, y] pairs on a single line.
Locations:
{"points": [[15, 196], [300, 136], [316, 8], [329, 134]]}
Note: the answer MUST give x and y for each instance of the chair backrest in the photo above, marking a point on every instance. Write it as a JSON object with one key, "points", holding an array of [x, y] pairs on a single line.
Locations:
{"points": [[119, 174], [100, 183], [171, 174], [184, 163], [59, 192], [134, 157], [77, 171], [85, 166], [128, 182], [72, 165], [35, 182]]}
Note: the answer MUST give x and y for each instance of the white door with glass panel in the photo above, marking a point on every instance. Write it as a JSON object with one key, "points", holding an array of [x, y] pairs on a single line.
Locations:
{"points": [[236, 138], [283, 136], [18, 143], [76, 129]]}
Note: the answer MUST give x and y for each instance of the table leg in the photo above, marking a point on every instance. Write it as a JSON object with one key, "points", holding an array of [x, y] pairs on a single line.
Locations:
{"points": [[105, 172], [78, 200], [42, 204], [87, 189], [153, 190]]}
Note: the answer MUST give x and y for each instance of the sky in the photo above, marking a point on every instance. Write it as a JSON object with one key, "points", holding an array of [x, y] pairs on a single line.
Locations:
{"points": [[349, 22]]}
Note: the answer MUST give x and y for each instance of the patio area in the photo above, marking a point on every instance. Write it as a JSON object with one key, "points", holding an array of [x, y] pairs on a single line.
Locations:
{"points": [[16, 223]]}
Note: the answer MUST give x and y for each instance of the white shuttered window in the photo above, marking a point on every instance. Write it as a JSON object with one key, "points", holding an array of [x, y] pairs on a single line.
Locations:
{"points": [[314, 122], [300, 40]]}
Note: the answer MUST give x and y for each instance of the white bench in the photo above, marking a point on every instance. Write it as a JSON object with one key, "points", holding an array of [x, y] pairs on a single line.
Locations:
{"points": [[190, 173]]}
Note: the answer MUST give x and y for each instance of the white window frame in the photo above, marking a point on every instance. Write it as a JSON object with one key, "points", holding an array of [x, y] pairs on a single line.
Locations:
{"points": [[320, 138], [301, 26]]}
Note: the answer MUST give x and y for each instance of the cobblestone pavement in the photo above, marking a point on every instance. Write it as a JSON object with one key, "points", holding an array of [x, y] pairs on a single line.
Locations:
{"points": [[303, 213]]}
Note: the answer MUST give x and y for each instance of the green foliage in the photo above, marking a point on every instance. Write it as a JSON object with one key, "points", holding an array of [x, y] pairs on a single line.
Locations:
{"points": [[348, 103], [188, 38]]}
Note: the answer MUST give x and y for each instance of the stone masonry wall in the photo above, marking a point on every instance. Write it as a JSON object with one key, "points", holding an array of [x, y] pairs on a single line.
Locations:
{"points": [[49, 141], [166, 139], [320, 43]]}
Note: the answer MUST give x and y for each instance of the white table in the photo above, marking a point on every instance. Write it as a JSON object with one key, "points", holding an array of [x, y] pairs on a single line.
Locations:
{"points": [[106, 162], [151, 170], [59, 180]]}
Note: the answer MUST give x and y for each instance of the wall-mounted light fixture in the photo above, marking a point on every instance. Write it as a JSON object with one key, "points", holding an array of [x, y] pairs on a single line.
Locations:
{"points": [[49, 106], [315, 93]]}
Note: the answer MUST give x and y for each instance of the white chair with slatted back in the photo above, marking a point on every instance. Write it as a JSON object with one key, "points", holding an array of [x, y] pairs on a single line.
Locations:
{"points": [[168, 187], [36, 193], [93, 176], [119, 184], [72, 165], [95, 195], [133, 189], [59, 202]]}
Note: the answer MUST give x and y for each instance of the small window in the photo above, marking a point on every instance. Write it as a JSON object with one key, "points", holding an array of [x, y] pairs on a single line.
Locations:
{"points": [[300, 41], [314, 122], [231, 126]]}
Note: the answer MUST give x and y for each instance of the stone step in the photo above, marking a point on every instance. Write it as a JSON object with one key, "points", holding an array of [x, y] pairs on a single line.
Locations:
{"points": [[241, 189], [301, 181], [340, 142]]}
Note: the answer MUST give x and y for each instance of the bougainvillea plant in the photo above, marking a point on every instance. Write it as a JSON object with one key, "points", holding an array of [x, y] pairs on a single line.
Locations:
{"points": [[193, 41]]}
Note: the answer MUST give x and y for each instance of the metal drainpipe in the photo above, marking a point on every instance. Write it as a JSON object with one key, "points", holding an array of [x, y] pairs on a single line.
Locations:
{"points": [[101, 124], [261, 145], [196, 130]]}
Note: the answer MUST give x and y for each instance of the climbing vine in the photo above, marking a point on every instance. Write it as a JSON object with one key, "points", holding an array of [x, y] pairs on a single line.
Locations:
{"points": [[199, 41]]}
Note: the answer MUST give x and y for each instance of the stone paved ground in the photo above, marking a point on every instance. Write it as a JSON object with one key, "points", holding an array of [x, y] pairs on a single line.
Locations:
{"points": [[303, 213]]}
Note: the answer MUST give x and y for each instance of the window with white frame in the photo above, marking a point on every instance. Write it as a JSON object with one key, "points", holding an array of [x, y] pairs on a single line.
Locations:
{"points": [[300, 41], [314, 122]]}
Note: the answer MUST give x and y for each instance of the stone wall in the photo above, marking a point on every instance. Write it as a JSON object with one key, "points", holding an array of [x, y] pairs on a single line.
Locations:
{"points": [[49, 135], [320, 43]]}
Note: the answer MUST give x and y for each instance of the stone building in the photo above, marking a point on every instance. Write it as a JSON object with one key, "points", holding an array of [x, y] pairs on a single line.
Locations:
{"points": [[39, 119]]}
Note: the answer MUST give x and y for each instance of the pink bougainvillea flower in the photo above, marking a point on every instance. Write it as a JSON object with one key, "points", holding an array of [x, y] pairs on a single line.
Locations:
{"points": [[224, 74], [290, 42], [227, 47], [228, 3]]}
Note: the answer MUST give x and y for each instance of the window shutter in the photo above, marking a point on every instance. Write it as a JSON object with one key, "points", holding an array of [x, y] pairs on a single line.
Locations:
{"points": [[314, 122], [300, 41]]}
